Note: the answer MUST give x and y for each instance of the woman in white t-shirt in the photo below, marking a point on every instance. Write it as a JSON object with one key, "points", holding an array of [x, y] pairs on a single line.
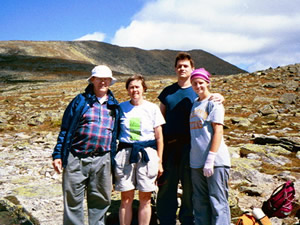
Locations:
{"points": [[209, 156], [139, 156]]}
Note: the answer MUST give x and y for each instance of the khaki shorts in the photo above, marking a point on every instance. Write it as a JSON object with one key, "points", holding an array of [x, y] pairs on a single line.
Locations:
{"points": [[140, 176]]}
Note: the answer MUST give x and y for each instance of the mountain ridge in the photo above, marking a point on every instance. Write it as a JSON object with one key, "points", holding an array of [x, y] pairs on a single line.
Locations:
{"points": [[79, 57]]}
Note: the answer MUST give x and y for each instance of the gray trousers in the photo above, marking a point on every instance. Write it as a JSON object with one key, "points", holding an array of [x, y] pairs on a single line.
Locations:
{"points": [[91, 175], [210, 197]]}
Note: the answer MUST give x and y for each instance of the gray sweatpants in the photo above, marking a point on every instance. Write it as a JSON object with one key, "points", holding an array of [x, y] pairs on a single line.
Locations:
{"points": [[210, 197], [91, 175]]}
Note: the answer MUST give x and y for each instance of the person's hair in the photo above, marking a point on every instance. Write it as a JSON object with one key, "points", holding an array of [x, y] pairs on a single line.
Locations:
{"points": [[183, 56], [136, 77]]}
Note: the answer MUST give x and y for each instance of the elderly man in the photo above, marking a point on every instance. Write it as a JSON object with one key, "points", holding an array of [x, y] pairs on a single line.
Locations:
{"points": [[86, 141]]}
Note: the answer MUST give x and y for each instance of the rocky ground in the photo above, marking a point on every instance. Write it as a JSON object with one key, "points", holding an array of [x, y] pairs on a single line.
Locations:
{"points": [[261, 129]]}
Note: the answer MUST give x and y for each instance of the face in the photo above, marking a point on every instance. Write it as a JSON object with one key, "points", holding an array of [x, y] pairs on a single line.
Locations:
{"points": [[184, 68], [135, 90], [101, 85], [200, 86]]}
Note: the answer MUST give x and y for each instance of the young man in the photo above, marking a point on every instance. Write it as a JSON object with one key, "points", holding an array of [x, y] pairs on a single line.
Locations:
{"points": [[176, 103], [86, 141]]}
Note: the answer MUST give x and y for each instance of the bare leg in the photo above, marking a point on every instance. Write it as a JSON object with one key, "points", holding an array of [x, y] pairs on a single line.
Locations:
{"points": [[125, 211], [144, 213]]}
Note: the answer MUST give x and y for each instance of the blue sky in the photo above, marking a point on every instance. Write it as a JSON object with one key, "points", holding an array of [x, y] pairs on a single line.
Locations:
{"points": [[65, 20], [252, 34]]}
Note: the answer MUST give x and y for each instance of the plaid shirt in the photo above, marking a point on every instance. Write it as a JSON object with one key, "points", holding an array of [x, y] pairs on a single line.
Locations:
{"points": [[94, 132]]}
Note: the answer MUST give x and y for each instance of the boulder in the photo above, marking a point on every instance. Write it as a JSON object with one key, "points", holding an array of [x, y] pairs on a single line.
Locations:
{"points": [[11, 212], [288, 98]]}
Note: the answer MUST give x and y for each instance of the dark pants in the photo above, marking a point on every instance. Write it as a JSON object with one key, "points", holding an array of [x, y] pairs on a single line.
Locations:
{"points": [[176, 169]]}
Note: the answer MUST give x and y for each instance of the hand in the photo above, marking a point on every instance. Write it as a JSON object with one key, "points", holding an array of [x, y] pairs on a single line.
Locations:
{"points": [[57, 165], [160, 169], [208, 169], [216, 97]]}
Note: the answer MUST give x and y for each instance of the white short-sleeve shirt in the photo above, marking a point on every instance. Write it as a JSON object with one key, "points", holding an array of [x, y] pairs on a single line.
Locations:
{"points": [[138, 122], [203, 114]]}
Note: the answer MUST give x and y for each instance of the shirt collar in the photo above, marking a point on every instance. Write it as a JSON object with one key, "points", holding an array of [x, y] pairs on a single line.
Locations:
{"points": [[102, 99]]}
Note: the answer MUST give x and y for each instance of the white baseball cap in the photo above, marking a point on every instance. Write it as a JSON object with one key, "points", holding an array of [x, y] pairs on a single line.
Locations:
{"points": [[102, 71]]}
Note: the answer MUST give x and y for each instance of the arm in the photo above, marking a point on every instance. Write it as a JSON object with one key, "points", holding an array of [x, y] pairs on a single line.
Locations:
{"points": [[215, 144], [163, 109], [217, 137], [66, 120], [160, 147]]}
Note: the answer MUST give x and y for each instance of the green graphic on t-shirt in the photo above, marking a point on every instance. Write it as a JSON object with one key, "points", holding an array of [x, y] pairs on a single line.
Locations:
{"points": [[135, 129]]}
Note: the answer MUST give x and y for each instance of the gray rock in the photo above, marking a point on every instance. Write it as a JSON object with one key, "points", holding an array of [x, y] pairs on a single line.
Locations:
{"points": [[241, 121], [294, 70], [267, 110], [291, 85], [254, 116], [290, 143], [263, 99], [253, 156], [288, 98], [252, 191], [14, 213], [276, 160], [271, 85]]}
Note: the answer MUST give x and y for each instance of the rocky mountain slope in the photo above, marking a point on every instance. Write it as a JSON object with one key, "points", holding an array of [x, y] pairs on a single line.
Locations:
{"points": [[261, 129], [36, 60]]}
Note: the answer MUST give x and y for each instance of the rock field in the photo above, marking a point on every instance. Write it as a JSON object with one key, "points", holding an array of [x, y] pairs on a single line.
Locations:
{"points": [[261, 129]]}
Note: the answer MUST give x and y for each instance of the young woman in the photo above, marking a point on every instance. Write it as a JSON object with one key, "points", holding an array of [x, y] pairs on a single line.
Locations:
{"points": [[139, 159], [209, 156]]}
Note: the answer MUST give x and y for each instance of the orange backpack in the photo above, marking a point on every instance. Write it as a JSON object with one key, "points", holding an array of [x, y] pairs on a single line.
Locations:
{"points": [[249, 219]]}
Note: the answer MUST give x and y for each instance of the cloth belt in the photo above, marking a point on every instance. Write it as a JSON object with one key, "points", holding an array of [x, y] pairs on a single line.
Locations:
{"points": [[136, 148]]}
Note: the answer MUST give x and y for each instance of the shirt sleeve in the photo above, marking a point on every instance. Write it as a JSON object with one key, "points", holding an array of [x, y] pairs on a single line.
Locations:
{"points": [[159, 118], [217, 113]]}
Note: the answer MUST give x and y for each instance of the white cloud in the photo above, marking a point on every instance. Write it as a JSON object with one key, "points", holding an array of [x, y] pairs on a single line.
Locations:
{"points": [[252, 33], [96, 36]]}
